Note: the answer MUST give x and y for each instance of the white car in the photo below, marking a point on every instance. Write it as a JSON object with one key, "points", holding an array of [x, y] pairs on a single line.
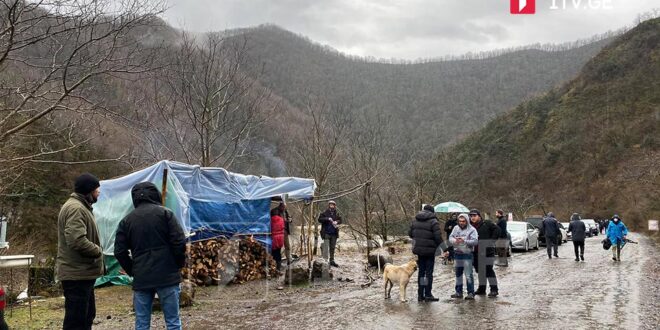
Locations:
{"points": [[564, 233], [569, 236], [523, 235]]}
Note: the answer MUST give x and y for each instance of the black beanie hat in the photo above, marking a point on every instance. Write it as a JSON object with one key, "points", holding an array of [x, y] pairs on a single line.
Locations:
{"points": [[429, 207], [86, 183]]}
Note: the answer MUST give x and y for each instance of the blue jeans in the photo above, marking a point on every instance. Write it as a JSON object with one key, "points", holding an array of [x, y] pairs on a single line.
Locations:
{"points": [[463, 264], [169, 302]]}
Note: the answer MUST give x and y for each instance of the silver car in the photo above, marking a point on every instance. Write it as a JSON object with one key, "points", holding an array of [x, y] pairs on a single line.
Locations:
{"points": [[569, 236], [523, 235]]}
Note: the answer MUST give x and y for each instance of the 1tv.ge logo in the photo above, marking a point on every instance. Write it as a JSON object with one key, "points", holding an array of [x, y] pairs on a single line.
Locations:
{"points": [[529, 6], [523, 6]]}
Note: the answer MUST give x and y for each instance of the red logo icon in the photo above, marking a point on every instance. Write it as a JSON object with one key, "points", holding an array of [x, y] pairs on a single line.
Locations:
{"points": [[523, 6]]}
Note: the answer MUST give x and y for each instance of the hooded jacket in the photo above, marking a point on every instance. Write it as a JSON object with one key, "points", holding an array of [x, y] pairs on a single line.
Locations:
{"points": [[426, 234], [577, 229], [469, 235], [79, 254], [154, 238], [616, 231]]}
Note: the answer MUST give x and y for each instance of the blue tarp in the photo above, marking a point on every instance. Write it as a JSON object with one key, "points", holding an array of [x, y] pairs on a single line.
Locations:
{"points": [[206, 201]]}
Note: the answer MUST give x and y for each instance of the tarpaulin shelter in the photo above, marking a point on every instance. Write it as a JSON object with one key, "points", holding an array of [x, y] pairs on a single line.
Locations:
{"points": [[207, 201]]}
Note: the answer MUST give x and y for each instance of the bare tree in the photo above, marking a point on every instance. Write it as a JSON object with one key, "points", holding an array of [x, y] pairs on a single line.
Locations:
{"points": [[206, 106], [51, 53]]}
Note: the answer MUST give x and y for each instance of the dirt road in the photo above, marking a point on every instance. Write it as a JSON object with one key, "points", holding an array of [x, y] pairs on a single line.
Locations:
{"points": [[534, 293]]}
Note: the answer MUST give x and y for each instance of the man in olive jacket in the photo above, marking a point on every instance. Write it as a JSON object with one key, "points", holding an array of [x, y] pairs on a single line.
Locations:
{"points": [[484, 254], [426, 240], [157, 248], [79, 255]]}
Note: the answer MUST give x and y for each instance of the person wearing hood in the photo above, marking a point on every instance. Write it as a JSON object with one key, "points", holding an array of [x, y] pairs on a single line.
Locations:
{"points": [[463, 238], [426, 240], [79, 260], [484, 253], [617, 234], [578, 233], [157, 246], [550, 229]]}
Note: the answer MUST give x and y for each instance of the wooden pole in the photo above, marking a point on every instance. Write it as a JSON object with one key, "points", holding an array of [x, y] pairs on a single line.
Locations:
{"points": [[164, 190]]}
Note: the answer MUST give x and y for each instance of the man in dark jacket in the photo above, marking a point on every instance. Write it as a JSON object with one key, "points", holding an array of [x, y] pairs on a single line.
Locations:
{"points": [[79, 255], [330, 222], [449, 226], [578, 233], [484, 254], [157, 248], [550, 229], [503, 241], [426, 239]]}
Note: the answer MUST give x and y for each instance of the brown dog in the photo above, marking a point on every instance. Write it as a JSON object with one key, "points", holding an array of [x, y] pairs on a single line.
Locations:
{"points": [[399, 274]]}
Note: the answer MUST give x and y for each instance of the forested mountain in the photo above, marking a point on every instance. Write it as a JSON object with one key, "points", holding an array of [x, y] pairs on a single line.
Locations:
{"points": [[590, 146], [429, 102]]}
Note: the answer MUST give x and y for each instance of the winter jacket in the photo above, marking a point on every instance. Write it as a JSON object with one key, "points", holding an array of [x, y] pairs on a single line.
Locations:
{"points": [[550, 227], [578, 230], [154, 238], [79, 253], [449, 226], [501, 222], [488, 233], [327, 227], [277, 231], [426, 234], [470, 239], [616, 231]]}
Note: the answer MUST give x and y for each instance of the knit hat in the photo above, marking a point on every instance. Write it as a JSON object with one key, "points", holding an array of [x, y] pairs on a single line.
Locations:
{"points": [[429, 207], [332, 202], [86, 183]]}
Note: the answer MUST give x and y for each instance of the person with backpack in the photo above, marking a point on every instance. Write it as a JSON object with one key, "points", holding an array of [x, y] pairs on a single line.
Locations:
{"points": [[579, 232], [617, 234]]}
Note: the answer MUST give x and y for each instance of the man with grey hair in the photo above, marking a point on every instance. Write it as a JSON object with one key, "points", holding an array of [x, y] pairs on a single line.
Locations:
{"points": [[550, 229]]}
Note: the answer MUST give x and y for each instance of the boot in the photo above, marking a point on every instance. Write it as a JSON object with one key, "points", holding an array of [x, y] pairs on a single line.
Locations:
{"points": [[494, 291], [481, 290], [420, 293]]}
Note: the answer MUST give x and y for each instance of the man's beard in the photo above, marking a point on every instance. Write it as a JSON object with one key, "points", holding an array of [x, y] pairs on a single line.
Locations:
{"points": [[91, 199], [463, 227]]}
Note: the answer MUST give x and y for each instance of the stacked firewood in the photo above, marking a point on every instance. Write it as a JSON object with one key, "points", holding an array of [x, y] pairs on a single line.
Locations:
{"points": [[222, 261]]}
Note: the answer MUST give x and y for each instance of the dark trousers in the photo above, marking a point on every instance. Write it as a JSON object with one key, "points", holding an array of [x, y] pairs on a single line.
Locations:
{"points": [[425, 266], [79, 304], [551, 244], [578, 245], [277, 255], [484, 267], [3, 324]]}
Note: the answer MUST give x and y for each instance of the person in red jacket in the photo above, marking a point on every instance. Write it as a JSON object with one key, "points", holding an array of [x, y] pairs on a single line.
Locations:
{"points": [[3, 324], [277, 235]]}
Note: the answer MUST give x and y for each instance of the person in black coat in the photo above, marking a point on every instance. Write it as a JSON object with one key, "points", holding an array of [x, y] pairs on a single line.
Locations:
{"points": [[426, 240], [503, 242], [550, 229], [157, 248], [330, 221], [484, 253], [449, 226], [578, 234]]}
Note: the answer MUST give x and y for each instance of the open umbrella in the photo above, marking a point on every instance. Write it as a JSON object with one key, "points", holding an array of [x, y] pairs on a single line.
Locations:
{"points": [[451, 207]]}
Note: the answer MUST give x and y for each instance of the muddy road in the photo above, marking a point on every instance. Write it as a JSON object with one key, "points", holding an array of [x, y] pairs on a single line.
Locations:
{"points": [[534, 293]]}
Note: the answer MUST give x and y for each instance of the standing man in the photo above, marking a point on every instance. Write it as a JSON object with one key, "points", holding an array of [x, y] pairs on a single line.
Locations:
{"points": [[330, 222], [578, 233], [79, 254], [484, 253], [449, 227], [616, 233], [503, 241], [157, 248], [463, 238], [550, 229], [426, 239], [287, 231]]}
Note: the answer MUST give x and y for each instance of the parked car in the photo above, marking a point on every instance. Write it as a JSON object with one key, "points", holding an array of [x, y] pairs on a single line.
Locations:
{"points": [[523, 235], [569, 236], [537, 221], [593, 227], [564, 233]]}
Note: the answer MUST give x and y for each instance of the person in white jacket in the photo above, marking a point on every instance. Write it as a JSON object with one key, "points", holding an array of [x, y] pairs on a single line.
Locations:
{"points": [[463, 238]]}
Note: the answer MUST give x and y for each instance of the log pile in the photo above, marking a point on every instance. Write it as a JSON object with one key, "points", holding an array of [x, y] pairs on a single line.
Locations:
{"points": [[222, 261]]}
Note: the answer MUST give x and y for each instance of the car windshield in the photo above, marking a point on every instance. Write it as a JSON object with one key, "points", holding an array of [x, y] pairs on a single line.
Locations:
{"points": [[516, 227], [536, 222]]}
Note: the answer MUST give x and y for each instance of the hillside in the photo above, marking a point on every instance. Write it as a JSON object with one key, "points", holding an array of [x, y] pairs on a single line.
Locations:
{"points": [[590, 146], [444, 99]]}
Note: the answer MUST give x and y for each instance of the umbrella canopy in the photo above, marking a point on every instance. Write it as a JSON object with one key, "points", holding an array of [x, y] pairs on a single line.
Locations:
{"points": [[451, 207]]}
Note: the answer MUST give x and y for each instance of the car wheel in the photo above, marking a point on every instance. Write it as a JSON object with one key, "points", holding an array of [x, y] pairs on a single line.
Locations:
{"points": [[526, 245]]}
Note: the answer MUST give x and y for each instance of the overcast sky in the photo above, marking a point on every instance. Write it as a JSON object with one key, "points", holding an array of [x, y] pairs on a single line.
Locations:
{"points": [[412, 29]]}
